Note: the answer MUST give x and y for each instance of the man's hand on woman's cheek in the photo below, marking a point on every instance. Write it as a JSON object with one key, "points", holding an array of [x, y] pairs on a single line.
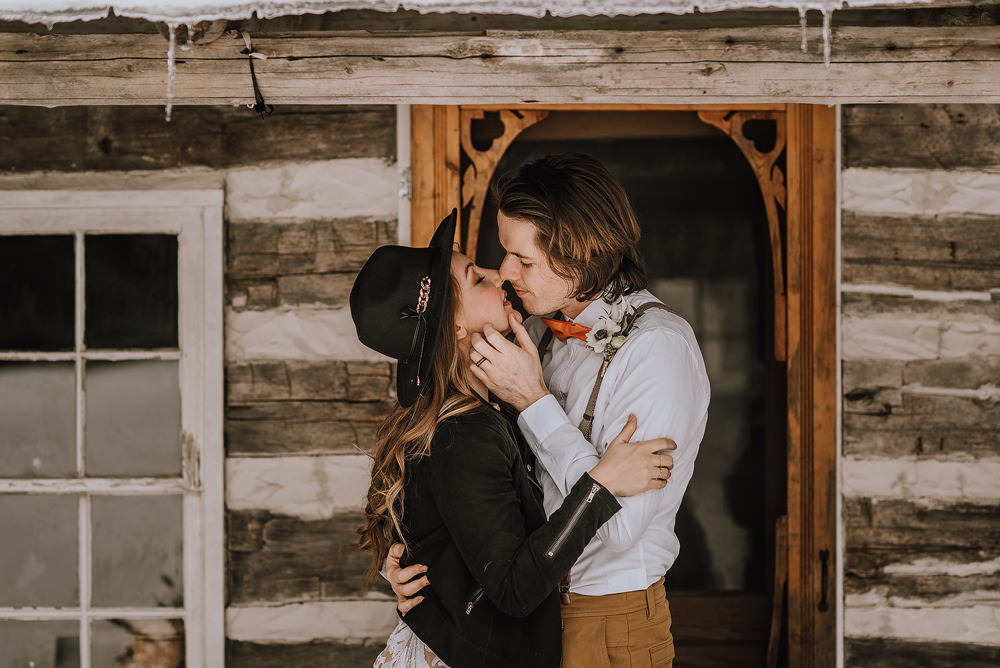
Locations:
{"points": [[511, 371], [400, 578]]}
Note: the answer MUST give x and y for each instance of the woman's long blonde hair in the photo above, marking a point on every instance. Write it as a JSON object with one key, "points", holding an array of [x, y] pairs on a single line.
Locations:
{"points": [[406, 434]]}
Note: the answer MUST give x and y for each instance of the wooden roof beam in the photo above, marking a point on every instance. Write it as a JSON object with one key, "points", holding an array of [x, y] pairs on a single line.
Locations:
{"points": [[722, 66]]}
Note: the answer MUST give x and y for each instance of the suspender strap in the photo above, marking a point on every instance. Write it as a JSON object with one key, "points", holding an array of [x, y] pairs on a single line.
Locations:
{"points": [[587, 424]]}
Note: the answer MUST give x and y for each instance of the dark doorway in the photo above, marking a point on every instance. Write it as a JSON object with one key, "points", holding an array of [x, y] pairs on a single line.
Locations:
{"points": [[708, 257]]}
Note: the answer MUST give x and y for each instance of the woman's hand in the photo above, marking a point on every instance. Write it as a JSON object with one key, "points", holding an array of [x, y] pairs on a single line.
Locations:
{"points": [[627, 468], [400, 578]]}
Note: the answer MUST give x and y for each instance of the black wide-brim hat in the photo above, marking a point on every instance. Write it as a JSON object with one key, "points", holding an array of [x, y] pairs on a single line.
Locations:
{"points": [[398, 302]]}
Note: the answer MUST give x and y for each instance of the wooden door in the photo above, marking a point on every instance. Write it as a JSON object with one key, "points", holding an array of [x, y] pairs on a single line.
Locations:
{"points": [[796, 177]]}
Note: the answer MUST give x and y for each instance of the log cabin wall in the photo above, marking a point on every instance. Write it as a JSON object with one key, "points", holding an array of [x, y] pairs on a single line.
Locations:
{"points": [[921, 365], [310, 192]]}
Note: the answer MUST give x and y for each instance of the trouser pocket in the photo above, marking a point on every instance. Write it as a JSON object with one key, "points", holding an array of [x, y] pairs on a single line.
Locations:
{"points": [[585, 643], [662, 655]]}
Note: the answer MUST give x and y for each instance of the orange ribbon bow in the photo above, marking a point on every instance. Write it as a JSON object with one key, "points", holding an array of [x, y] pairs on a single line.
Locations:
{"points": [[563, 330]]}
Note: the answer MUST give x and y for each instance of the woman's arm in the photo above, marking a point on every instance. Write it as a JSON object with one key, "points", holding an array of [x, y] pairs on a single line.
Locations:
{"points": [[474, 490], [625, 469]]}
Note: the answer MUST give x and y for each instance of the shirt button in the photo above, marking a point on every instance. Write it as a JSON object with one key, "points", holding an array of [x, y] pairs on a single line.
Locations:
{"points": [[529, 466]]}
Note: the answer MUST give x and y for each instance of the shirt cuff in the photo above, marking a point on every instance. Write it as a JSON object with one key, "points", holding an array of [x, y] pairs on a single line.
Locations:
{"points": [[539, 420]]}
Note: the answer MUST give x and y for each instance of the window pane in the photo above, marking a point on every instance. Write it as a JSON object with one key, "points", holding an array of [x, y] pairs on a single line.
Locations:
{"points": [[137, 551], [131, 291], [50, 644], [37, 299], [37, 419], [38, 556], [133, 418], [156, 643]]}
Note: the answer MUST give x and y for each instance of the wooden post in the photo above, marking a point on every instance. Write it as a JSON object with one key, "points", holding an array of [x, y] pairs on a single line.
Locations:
{"points": [[812, 382], [434, 170]]}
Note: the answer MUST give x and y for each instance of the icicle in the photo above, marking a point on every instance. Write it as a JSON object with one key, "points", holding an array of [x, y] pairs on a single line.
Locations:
{"points": [[171, 68], [827, 15], [802, 24], [188, 37]]}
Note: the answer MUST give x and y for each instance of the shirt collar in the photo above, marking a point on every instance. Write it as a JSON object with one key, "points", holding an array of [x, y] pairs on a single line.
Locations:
{"points": [[590, 315]]}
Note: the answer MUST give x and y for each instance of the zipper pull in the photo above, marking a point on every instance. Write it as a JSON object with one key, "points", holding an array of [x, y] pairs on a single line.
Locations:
{"points": [[593, 492], [475, 599]]}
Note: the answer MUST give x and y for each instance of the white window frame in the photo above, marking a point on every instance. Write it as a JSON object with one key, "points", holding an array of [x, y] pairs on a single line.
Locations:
{"points": [[196, 217]]}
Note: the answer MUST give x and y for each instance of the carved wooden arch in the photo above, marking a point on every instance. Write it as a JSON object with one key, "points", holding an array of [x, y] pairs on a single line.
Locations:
{"points": [[772, 186], [476, 179], [474, 182]]}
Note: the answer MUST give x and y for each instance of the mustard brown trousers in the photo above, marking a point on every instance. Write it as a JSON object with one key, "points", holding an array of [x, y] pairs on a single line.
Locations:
{"points": [[627, 630]]}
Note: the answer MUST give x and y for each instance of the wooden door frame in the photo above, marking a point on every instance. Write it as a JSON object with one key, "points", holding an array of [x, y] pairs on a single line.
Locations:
{"points": [[810, 317]]}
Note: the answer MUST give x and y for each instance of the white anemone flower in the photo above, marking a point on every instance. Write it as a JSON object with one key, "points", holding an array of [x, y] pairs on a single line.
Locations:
{"points": [[601, 333]]}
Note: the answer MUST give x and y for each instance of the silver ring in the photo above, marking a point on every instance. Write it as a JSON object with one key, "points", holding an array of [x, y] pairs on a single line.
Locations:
{"points": [[481, 360]]}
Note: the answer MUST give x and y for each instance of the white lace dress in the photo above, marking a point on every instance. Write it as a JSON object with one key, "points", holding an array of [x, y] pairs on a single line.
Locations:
{"points": [[405, 650]]}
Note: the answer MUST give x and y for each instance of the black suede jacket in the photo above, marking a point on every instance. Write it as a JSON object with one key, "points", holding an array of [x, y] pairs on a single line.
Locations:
{"points": [[473, 514]]}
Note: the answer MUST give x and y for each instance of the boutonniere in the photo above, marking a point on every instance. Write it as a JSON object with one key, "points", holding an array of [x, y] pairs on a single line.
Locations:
{"points": [[610, 331]]}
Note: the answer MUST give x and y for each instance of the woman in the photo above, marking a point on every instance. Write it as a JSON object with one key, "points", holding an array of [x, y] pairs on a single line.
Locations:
{"points": [[452, 477]]}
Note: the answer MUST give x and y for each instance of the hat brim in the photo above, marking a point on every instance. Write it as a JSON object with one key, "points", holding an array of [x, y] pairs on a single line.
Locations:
{"points": [[408, 373]]}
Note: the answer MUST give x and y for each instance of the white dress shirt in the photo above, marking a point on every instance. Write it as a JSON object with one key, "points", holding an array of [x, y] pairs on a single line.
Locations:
{"points": [[659, 376]]}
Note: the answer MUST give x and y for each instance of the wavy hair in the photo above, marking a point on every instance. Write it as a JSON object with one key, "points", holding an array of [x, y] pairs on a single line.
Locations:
{"points": [[583, 221], [405, 435]]}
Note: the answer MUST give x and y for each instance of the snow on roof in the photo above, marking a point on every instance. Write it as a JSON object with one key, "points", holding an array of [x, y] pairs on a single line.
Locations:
{"points": [[192, 11]]}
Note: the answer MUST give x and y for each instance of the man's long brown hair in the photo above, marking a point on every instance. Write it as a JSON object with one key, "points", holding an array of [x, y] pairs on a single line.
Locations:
{"points": [[583, 221], [406, 435]]}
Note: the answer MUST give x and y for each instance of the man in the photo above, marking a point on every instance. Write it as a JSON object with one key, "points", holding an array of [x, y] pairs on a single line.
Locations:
{"points": [[572, 243]]}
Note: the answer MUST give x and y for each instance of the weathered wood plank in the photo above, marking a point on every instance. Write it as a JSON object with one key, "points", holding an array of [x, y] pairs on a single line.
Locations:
{"points": [[924, 136], [895, 653], [102, 138], [302, 655], [326, 289], [700, 66], [269, 250], [307, 381], [921, 426], [971, 373], [867, 304], [885, 414], [905, 526], [981, 589], [274, 558], [308, 427], [289, 407], [925, 252], [873, 563]]}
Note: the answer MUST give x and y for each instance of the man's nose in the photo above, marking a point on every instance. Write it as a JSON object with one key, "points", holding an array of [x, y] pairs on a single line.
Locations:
{"points": [[506, 271]]}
